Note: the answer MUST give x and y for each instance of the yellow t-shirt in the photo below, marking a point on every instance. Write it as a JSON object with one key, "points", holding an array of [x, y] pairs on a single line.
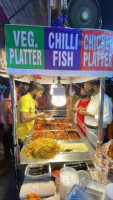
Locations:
{"points": [[26, 104]]}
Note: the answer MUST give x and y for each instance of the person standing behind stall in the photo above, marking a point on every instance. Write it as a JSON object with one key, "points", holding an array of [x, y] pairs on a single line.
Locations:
{"points": [[91, 113], [7, 130], [26, 110], [1, 113], [82, 103], [18, 88], [24, 89]]}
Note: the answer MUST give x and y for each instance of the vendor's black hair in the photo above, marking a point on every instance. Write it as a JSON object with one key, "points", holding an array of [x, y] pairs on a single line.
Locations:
{"points": [[26, 84], [95, 82], [17, 83], [35, 86]]}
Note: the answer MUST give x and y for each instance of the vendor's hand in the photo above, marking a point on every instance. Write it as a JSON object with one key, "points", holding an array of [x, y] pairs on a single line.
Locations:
{"points": [[82, 109], [40, 115], [82, 112], [75, 109], [48, 115], [85, 113]]}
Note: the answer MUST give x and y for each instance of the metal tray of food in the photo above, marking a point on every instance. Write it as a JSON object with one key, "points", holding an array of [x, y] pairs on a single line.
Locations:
{"points": [[55, 134], [67, 156]]}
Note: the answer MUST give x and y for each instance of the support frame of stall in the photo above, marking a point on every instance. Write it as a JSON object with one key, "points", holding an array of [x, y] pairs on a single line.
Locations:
{"points": [[51, 72]]}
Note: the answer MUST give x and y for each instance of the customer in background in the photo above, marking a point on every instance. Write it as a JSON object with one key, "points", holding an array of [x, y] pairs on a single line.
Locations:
{"points": [[81, 104], [24, 89], [7, 131], [41, 103], [18, 88], [2, 90], [49, 105], [1, 113], [91, 113]]}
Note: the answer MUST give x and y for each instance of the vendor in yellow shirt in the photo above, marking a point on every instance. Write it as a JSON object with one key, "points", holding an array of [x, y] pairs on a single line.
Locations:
{"points": [[26, 110]]}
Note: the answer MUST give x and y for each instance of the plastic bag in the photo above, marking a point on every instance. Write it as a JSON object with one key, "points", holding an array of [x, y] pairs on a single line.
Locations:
{"points": [[102, 157]]}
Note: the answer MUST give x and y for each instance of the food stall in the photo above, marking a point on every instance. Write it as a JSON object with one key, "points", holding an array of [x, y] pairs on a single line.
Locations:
{"points": [[58, 52]]}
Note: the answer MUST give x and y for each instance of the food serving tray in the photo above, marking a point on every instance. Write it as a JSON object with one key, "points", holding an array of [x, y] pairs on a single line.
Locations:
{"points": [[63, 156], [54, 134]]}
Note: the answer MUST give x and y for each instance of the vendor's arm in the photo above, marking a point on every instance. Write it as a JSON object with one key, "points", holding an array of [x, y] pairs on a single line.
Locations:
{"points": [[75, 109], [107, 112], [24, 117], [83, 112]]}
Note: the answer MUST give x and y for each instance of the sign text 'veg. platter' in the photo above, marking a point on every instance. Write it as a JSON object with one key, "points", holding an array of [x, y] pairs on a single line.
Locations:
{"points": [[27, 47]]}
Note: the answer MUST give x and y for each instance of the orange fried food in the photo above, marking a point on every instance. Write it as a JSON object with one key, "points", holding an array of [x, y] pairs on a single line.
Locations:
{"points": [[59, 127], [110, 151], [49, 126], [73, 135], [61, 135], [67, 121], [50, 134], [58, 121], [69, 127], [37, 135], [111, 147], [32, 196], [49, 121], [40, 121], [110, 154], [66, 125], [39, 127]]}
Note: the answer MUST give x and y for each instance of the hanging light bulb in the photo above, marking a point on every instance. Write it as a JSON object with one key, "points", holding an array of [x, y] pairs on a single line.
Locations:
{"points": [[52, 88], [58, 101], [58, 94]]}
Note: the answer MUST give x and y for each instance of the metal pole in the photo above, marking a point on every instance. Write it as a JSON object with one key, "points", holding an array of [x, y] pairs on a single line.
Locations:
{"points": [[100, 119], [13, 103], [49, 12], [70, 100]]}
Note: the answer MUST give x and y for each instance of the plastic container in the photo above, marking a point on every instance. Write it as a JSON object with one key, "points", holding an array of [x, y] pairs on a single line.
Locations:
{"points": [[83, 174], [109, 192], [78, 193], [94, 188], [35, 172], [68, 177]]}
